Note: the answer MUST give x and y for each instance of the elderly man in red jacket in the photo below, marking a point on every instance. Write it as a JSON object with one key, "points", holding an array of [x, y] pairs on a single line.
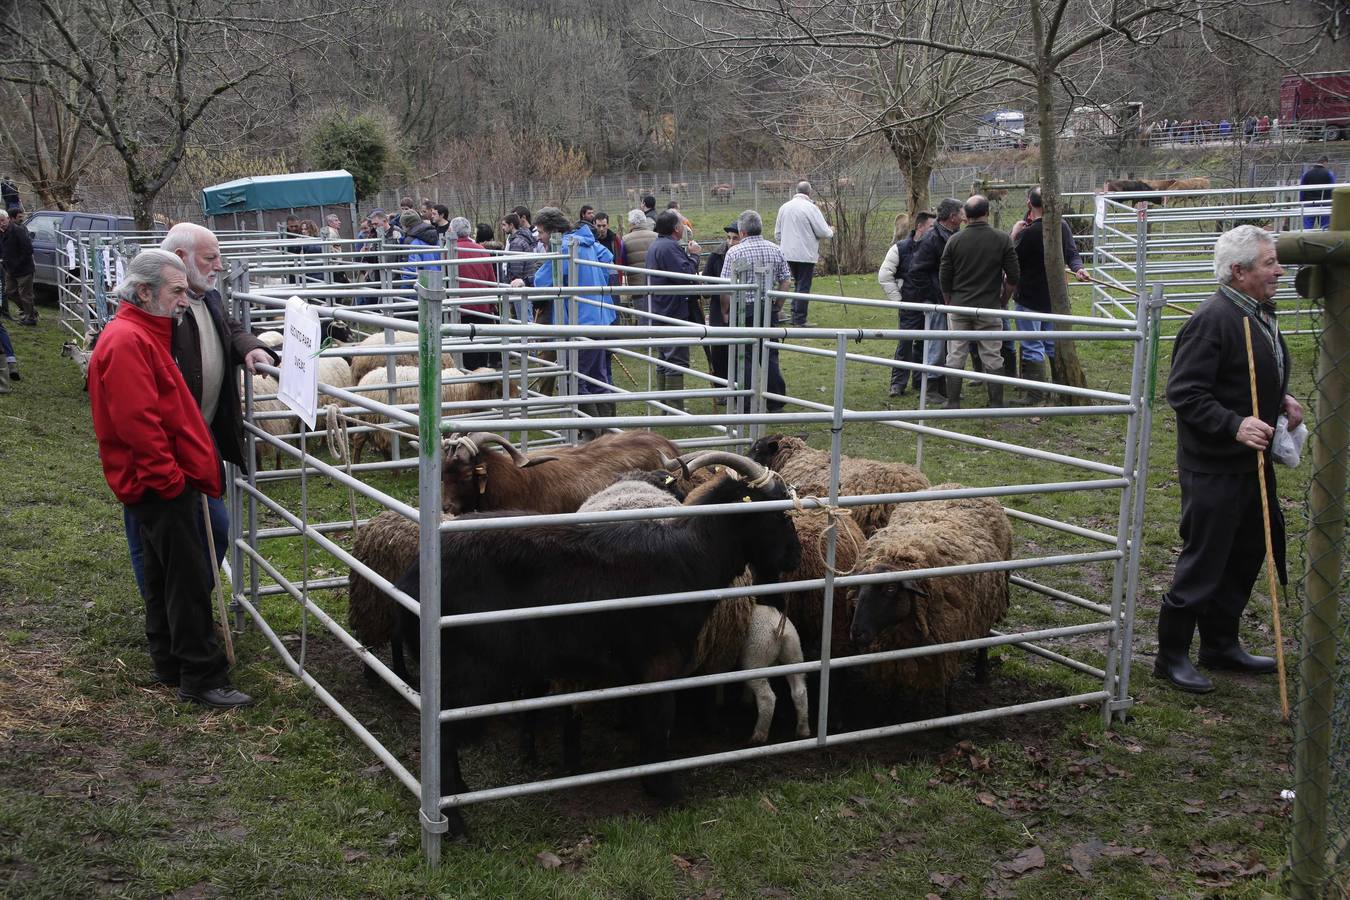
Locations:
{"points": [[160, 460]]}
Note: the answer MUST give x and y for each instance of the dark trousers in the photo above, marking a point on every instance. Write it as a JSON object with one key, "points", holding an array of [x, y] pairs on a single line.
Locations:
{"points": [[19, 288], [594, 364], [908, 351], [178, 583], [776, 383], [1223, 541], [802, 275], [220, 532], [718, 354], [479, 359]]}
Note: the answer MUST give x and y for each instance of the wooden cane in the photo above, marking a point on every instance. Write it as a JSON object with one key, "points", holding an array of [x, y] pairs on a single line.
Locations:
{"points": [[1270, 542], [220, 590]]}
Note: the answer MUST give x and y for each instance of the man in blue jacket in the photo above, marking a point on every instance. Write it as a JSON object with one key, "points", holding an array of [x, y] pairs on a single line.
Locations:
{"points": [[666, 255], [592, 365]]}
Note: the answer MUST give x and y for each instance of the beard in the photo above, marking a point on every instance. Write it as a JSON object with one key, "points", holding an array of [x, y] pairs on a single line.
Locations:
{"points": [[199, 281]]}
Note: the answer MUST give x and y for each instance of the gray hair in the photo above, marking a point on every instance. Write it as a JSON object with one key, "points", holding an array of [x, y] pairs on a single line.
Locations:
{"points": [[146, 268], [637, 218], [184, 236], [1239, 247], [804, 187], [461, 227], [750, 223], [948, 208], [3, 215]]}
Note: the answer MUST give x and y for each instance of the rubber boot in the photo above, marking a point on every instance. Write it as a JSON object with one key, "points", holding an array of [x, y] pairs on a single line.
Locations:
{"points": [[935, 394], [675, 383], [14, 370], [1221, 649], [995, 390], [4, 380], [587, 434], [1032, 371], [1175, 629], [953, 392]]}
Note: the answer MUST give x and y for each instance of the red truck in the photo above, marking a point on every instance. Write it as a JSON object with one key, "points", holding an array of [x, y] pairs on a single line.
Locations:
{"points": [[1318, 98]]}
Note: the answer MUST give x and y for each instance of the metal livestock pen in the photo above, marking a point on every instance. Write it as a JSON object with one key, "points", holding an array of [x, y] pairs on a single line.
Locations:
{"points": [[1085, 624]]}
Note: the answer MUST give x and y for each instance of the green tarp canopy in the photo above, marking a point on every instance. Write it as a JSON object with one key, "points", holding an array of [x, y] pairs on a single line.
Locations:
{"points": [[293, 191]]}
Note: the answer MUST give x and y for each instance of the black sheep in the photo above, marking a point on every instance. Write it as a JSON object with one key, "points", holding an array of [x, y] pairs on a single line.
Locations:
{"points": [[548, 564]]}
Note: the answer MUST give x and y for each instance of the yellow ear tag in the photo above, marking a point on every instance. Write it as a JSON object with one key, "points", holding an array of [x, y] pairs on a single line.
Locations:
{"points": [[670, 480], [746, 499]]}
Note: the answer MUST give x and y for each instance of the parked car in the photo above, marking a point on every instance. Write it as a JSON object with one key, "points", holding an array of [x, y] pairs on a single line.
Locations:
{"points": [[49, 247]]}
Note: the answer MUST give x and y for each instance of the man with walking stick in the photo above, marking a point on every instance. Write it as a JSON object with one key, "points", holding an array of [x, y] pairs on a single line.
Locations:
{"points": [[1227, 398]]}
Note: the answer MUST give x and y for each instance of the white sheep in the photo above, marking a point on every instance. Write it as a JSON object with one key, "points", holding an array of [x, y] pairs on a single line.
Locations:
{"points": [[459, 392]]}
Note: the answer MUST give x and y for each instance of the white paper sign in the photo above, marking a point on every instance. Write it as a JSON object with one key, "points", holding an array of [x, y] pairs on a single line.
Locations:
{"points": [[121, 271], [299, 388], [1099, 215], [72, 258]]}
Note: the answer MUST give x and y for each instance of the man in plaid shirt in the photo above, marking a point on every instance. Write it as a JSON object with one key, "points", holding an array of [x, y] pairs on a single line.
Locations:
{"points": [[742, 265]]}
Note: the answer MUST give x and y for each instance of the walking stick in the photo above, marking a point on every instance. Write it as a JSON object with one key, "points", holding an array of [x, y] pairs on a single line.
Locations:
{"points": [[1270, 542], [220, 590]]}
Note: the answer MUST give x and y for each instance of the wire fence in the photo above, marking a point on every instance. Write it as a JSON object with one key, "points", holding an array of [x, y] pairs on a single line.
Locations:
{"points": [[1320, 839]]}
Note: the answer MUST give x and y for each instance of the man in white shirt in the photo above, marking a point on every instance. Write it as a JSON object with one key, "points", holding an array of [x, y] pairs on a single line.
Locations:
{"points": [[798, 231]]}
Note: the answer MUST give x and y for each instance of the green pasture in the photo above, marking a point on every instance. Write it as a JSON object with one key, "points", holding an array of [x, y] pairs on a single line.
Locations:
{"points": [[112, 789]]}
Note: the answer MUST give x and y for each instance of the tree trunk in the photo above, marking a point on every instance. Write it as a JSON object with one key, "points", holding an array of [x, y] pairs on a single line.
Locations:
{"points": [[143, 205], [916, 167], [917, 174], [1067, 368]]}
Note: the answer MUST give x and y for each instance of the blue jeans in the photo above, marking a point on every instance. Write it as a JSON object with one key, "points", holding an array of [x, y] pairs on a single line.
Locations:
{"points": [[5, 344], [935, 350], [1033, 349], [220, 530]]}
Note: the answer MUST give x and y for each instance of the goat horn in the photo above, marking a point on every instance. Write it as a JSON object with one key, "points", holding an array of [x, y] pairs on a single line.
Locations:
{"points": [[743, 465], [679, 462], [486, 438]]}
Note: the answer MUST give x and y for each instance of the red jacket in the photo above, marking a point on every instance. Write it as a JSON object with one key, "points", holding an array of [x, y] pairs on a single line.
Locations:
{"points": [[151, 435], [483, 275]]}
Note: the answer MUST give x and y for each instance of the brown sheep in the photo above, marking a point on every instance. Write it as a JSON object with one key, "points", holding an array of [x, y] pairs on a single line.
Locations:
{"points": [[936, 610], [388, 544], [809, 471], [476, 478]]}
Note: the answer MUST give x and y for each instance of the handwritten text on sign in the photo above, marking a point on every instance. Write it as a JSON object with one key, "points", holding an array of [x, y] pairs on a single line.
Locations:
{"points": [[299, 387]]}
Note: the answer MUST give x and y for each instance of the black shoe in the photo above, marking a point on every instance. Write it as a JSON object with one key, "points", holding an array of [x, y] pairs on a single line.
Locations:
{"points": [[897, 390], [1221, 649], [14, 375], [29, 322], [216, 698], [1173, 664]]}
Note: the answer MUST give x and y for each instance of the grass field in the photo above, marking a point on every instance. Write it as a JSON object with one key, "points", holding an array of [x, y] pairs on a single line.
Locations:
{"points": [[109, 788]]}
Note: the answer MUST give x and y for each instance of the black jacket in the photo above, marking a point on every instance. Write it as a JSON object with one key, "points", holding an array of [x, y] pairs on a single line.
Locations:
{"points": [[522, 241], [423, 231], [904, 249], [1033, 289], [1210, 388], [924, 265], [16, 248], [237, 342], [1318, 174]]}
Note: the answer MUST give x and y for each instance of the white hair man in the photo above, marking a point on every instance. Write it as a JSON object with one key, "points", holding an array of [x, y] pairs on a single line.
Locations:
{"points": [[1218, 438], [159, 460], [798, 230]]}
